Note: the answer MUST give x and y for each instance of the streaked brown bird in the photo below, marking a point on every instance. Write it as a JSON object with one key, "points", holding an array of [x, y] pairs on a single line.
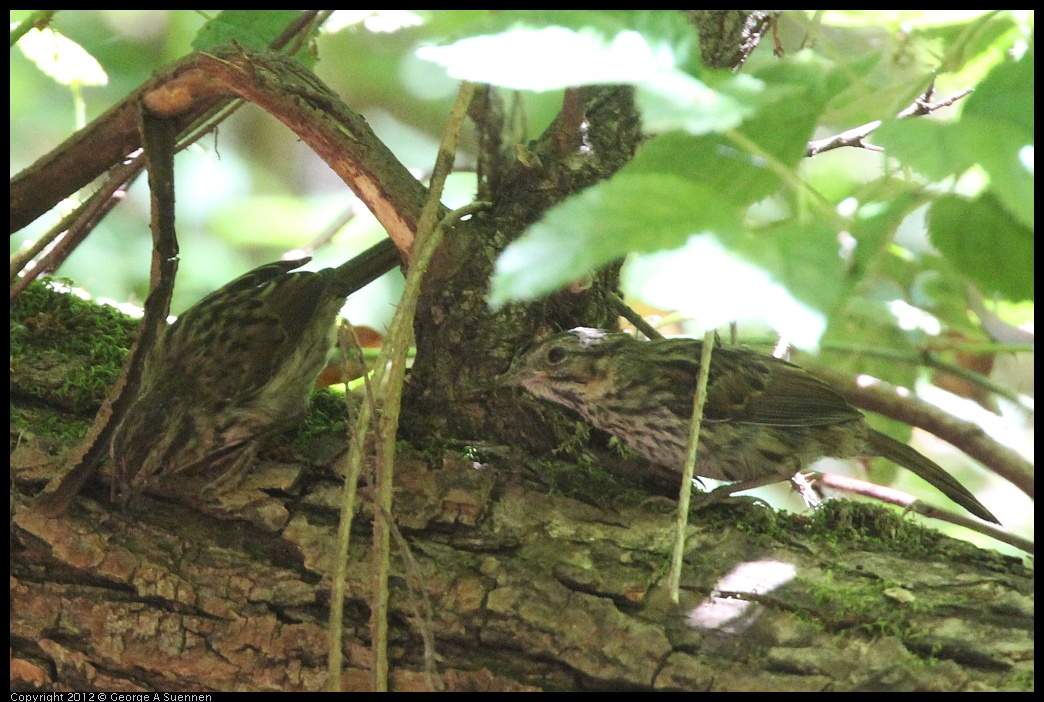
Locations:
{"points": [[235, 367], [763, 416]]}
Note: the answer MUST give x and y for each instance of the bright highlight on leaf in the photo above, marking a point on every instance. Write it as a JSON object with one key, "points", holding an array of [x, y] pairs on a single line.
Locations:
{"points": [[676, 100], [61, 58], [555, 57], [631, 212], [708, 283], [550, 58]]}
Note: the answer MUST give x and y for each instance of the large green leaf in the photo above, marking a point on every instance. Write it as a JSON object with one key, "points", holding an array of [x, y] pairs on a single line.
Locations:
{"points": [[789, 275], [985, 243], [876, 221], [997, 126], [550, 50], [677, 185], [632, 212]]}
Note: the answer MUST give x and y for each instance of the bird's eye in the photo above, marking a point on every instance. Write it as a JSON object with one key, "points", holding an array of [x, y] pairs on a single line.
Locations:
{"points": [[556, 355]]}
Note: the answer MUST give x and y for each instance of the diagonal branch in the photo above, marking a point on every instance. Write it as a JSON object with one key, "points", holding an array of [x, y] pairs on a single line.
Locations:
{"points": [[277, 84], [885, 399]]}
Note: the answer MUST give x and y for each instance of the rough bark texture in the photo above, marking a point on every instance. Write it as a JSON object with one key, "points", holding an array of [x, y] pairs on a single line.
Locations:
{"points": [[728, 36], [461, 345], [528, 589]]}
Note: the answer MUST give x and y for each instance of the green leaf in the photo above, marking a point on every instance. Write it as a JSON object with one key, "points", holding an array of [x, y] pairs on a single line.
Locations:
{"points": [[632, 212], [805, 259], [677, 185], [789, 275], [997, 126], [796, 93], [675, 100], [713, 161], [251, 29], [866, 322], [933, 148], [938, 289], [876, 222], [696, 181], [559, 50], [985, 243], [995, 132]]}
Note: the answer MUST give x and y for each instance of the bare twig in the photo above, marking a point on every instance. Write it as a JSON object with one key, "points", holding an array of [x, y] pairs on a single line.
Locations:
{"points": [[61, 239], [159, 137], [424, 612], [856, 137], [910, 503], [625, 311], [674, 579]]}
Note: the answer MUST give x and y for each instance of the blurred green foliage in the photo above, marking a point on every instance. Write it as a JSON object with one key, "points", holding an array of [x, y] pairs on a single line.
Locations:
{"points": [[722, 189]]}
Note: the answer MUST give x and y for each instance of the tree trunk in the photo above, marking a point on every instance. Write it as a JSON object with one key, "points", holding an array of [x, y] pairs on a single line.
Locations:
{"points": [[537, 575], [461, 345]]}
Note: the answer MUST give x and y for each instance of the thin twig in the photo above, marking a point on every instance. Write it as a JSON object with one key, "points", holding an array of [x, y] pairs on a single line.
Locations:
{"points": [[674, 581], [429, 235], [61, 239], [424, 612], [158, 136], [856, 136], [625, 311]]}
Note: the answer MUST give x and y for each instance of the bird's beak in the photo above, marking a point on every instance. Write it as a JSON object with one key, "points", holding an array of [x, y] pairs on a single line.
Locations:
{"points": [[509, 378]]}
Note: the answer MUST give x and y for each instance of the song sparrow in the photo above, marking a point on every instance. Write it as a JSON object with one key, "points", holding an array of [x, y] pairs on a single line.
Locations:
{"points": [[763, 416], [236, 366]]}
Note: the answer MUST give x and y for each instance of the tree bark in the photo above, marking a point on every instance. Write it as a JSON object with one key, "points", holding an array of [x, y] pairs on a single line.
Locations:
{"points": [[533, 582], [461, 345]]}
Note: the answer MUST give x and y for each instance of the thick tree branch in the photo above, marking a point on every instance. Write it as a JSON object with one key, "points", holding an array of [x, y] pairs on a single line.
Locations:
{"points": [[277, 84]]}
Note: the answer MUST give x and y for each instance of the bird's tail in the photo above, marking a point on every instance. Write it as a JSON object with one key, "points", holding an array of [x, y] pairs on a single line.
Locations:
{"points": [[367, 267], [897, 452]]}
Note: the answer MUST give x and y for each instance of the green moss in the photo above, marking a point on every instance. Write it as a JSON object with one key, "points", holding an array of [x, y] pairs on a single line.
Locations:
{"points": [[66, 351], [873, 527], [862, 607], [577, 435], [770, 523], [53, 426]]}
